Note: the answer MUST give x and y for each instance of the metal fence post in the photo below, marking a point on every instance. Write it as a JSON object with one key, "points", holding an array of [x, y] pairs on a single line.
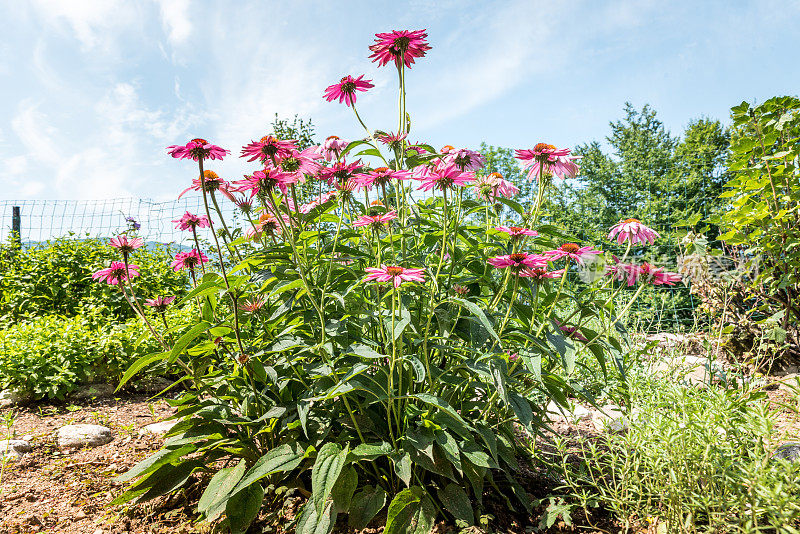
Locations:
{"points": [[16, 225]]}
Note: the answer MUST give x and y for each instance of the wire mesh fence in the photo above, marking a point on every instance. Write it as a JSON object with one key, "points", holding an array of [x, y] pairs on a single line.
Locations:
{"points": [[42, 220]]}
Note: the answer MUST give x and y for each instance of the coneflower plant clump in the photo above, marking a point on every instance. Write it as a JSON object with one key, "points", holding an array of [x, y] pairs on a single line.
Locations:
{"points": [[383, 347]]}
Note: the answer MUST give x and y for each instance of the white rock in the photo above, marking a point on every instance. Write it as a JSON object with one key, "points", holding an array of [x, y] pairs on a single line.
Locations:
{"points": [[612, 418], [11, 397], [573, 414], [158, 428], [90, 391], [14, 448], [83, 436]]}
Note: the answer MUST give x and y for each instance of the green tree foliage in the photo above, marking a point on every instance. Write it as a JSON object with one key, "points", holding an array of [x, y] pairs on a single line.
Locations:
{"points": [[299, 129], [651, 175]]}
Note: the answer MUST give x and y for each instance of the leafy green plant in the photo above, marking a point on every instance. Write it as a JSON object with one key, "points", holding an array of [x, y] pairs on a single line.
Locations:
{"points": [[55, 278], [760, 219], [49, 356], [693, 459]]}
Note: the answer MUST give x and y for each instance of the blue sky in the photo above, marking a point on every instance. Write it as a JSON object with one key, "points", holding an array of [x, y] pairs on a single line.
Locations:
{"points": [[93, 91]]}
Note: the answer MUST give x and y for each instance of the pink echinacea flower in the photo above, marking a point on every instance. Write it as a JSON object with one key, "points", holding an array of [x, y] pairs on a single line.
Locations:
{"points": [[116, 273], [394, 274], [345, 90], [633, 231], [400, 46], [196, 149], [546, 159]]}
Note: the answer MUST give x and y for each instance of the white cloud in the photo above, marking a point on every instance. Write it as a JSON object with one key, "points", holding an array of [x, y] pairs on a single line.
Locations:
{"points": [[175, 20], [95, 23]]}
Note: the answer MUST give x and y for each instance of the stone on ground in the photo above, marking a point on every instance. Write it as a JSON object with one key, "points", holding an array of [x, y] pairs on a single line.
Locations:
{"points": [[572, 414], [14, 448], [158, 428], [612, 418], [788, 451], [74, 436], [10, 397], [90, 391]]}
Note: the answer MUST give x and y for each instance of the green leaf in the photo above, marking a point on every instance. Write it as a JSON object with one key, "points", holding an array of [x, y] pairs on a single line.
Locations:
{"points": [[410, 512], [153, 462], [365, 505], [327, 468], [243, 508], [475, 310], [419, 368], [498, 370], [402, 467], [140, 364], [442, 405], [370, 451], [522, 408], [456, 501], [342, 492], [187, 338], [215, 497], [279, 459], [312, 523]]}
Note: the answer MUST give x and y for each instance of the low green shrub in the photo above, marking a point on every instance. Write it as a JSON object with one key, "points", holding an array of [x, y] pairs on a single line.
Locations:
{"points": [[693, 460], [49, 356], [55, 278]]}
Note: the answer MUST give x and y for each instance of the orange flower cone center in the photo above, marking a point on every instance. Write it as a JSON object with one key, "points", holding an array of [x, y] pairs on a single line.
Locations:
{"points": [[543, 146], [570, 248], [394, 271]]}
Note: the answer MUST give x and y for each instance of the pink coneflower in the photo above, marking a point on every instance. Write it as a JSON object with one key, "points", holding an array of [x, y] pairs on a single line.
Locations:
{"points": [[465, 159], [400, 46], [397, 275], [340, 172], [657, 275], [346, 89], [269, 148], [392, 140], [268, 223], [571, 331], [493, 185], [245, 205], [254, 304], [117, 273], [547, 159], [322, 199], [332, 148], [196, 149], [261, 182], [345, 190], [570, 251], [125, 245], [541, 273], [460, 290], [159, 304], [298, 164], [381, 176], [189, 221], [632, 273], [515, 232], [445, 178], [375, 221], [188, 260], [518, 261], [633, 231], [212, 183]]}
